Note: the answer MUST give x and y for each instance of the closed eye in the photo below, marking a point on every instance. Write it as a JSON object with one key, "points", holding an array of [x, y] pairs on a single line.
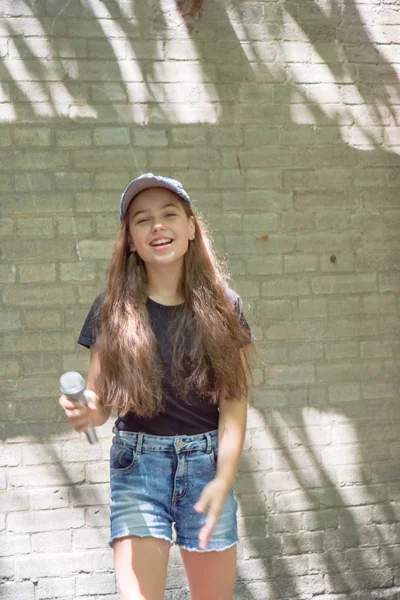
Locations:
{"points": [[145, 220]]}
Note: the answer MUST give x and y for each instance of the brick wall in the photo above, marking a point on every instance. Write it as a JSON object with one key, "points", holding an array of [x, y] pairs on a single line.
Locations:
{"points": [[281, 119]]}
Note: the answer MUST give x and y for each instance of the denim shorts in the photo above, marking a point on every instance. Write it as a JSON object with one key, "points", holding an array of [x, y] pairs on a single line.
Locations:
{"points": [[155, 483]]}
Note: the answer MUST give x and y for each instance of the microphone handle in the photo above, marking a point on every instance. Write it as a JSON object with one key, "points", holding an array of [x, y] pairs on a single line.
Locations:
{"points": [[91, 432]]}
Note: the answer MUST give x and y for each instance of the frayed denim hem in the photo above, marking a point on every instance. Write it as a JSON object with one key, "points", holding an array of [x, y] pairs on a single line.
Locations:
{"points": [[184, 546], [145, 535]]}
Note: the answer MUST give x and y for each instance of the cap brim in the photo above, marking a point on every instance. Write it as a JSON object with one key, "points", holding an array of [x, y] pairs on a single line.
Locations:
{"points": [[140, 185]]}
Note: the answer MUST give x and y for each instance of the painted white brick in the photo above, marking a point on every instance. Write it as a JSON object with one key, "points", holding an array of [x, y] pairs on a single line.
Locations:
{"points": [[98, 472], [45, 520], [98, 516], [84, 539], [57, 587], [6, 568], [47, 475], [101, 584], [53, 541], [14, 545], [18, 591], [2, 479], [34, 567], [10, 455], [49, 498], [103, 560], [94, 494], [78, 450], [13, 501]]}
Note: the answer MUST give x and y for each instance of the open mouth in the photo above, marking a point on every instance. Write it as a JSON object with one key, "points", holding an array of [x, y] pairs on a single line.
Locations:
{"points": [[161, 243]]}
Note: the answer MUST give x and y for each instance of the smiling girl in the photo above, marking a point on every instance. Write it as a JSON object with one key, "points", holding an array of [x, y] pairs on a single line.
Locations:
{"points": [[169, 346]]}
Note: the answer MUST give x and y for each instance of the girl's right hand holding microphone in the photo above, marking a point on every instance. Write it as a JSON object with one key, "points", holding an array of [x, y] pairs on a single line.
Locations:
{"points": [[80, 415]]}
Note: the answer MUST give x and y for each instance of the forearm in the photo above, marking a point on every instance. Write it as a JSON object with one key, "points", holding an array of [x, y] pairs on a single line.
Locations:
{"points": [[232, 429]]}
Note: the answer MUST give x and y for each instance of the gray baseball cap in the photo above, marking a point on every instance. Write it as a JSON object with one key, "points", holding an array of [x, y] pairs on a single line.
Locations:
{"points": [[146, 181]]}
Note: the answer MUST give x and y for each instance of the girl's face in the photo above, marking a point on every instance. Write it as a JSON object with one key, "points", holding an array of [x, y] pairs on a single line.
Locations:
{"points": [[159, 228]]}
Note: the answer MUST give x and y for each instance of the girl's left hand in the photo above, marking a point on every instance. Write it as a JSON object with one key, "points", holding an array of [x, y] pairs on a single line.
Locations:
{"points": [[211, 501]]}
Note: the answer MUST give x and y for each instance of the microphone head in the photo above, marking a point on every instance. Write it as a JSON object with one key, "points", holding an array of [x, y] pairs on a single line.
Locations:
{"points": [[72, 383]]}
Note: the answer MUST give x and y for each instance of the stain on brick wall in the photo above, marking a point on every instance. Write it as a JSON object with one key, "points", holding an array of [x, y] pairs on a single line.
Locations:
{"points": [[190, 11]]}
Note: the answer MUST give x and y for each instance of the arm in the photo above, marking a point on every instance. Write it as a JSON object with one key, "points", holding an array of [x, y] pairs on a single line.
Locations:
{"points": [[231, 432]]}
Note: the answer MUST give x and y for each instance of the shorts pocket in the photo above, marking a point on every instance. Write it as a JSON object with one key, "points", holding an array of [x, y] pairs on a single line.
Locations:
{"points": [[122, 458]]}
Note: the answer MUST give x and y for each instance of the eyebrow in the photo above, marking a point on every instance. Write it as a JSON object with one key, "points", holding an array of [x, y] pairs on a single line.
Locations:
{"points": [[138, 212]]}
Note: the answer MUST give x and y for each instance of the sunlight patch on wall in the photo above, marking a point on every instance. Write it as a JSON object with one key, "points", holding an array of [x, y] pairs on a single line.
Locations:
{"points": [[326, 7], [337, 95], [201, 105], [301, 112], [128, 65], [173, 87], [323, 457], [259, 48], [323, 79], [156, 89], [49, 97]]}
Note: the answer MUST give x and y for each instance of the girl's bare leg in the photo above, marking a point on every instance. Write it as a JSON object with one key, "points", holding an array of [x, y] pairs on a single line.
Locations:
{"points": [[141, 567], [211, 575]]}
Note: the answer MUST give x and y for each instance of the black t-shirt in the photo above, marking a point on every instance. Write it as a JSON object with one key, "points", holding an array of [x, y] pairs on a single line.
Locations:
{"points": [[189, 417]]}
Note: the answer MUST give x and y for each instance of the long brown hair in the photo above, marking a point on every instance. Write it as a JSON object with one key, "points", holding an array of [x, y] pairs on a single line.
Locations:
{"points": [[206, 336]]}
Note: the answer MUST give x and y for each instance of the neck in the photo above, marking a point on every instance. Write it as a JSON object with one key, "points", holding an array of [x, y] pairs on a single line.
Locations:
{"points": [[164, 285]]}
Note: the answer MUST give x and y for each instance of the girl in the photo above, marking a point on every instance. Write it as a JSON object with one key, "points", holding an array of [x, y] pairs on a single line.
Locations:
{"points": [[169, 346]]}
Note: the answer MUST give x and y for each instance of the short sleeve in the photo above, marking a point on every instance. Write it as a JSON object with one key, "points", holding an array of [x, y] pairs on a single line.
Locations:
{"points": [[242, 318], [90, 328], [238, 304]]}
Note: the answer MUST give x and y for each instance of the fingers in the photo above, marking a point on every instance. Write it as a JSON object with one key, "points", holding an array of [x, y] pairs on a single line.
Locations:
{"points": [[206, 531], [66, 403], [91, 398], [209, 497], [211, 501], [202, 503], [78, 414]]}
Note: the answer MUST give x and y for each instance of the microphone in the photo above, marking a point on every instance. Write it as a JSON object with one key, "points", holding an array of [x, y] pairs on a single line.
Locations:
{"points": [[73, 385]]}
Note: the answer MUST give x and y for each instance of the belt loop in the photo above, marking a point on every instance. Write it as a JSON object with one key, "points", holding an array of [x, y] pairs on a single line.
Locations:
{"points": [[139, 443], [208, 443]]}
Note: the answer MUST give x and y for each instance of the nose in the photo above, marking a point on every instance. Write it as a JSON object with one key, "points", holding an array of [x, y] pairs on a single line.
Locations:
{"points": [[158, 226]]}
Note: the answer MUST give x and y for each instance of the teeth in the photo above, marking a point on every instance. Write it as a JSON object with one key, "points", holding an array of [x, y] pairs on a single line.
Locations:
{"points": [[159, 242]]}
